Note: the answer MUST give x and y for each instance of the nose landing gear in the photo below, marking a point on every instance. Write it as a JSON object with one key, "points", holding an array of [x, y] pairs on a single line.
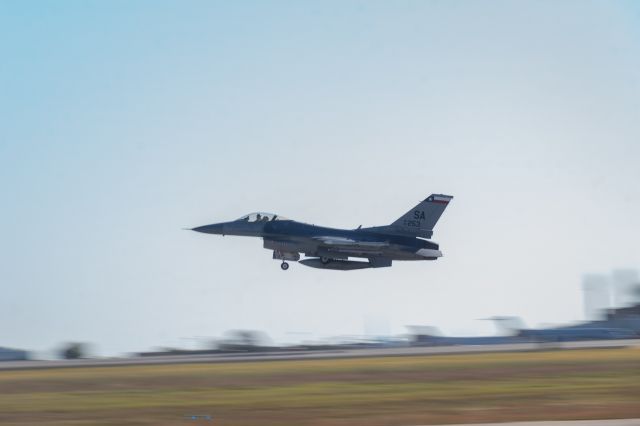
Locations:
{"points": [[284, 256]]}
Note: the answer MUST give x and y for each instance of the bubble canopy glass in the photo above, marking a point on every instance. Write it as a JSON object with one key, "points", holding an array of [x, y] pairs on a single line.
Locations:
{"points": [[261, 217]]}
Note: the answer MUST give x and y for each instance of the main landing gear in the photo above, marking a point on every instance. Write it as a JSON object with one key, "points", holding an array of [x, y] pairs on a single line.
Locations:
{"points": [[284, 266]]}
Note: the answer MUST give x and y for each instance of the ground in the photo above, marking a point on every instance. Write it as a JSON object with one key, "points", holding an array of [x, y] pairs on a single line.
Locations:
{"points": [[383, 391]]}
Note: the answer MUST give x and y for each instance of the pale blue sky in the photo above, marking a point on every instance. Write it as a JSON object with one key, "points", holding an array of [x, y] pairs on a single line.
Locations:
{"points": [[122, 122]]}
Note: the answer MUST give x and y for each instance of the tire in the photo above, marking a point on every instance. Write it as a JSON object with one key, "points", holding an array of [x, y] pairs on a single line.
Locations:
{"points": [[284, 266], [324, 260]]}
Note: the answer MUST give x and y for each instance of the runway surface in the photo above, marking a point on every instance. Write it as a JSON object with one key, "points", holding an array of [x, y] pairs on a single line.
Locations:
{"points": [[616, 422], [319, 354]]}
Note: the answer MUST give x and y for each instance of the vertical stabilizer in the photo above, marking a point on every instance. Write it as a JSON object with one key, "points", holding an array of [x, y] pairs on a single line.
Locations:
{"points": [[421, 219]]}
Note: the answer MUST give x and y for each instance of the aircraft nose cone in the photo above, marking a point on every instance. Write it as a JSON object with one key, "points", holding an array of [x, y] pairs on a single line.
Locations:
{"points": [[216, 228]]}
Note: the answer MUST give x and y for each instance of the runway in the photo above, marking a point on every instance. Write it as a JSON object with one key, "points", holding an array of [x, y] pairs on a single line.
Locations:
{"points": [[319, 354], [616, 422]]}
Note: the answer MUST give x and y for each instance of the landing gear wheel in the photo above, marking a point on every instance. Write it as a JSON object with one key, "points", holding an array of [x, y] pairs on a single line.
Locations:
{"points": [[325, 260], [284, 266]]}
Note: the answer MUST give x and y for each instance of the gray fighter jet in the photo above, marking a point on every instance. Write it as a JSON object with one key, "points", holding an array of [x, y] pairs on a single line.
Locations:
{"points": [[328, 248]]}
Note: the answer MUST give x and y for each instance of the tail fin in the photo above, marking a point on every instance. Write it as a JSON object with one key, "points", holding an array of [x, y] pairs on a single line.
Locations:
{"points": [[421, 219]]}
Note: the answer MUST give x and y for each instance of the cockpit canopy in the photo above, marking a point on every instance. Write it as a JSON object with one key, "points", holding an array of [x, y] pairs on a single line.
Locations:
{"points": [[261, 217]]}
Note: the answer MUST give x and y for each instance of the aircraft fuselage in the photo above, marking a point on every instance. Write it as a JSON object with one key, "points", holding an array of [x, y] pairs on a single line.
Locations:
{"points": [[332, 248]]}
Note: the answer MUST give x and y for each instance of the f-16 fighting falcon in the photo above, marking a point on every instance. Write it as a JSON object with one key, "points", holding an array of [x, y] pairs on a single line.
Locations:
{"points": [[330, 248]]}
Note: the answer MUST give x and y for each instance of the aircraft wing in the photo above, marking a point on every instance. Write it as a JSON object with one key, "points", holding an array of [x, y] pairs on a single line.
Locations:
{"points": [[327, 245], [341, 244]]}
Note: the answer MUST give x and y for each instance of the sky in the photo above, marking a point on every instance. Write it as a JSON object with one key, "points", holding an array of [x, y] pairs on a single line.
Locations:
{"points": [[122, 122]]}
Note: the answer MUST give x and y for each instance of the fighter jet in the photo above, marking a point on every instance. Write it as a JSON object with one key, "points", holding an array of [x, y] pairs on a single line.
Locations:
{"points": [[329, 248]]}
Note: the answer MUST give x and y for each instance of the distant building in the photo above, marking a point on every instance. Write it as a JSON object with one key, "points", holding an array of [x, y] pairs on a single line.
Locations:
{"points": [[618, 323], [597, 296], [8, 354], [624, 286], [627, 313]]}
